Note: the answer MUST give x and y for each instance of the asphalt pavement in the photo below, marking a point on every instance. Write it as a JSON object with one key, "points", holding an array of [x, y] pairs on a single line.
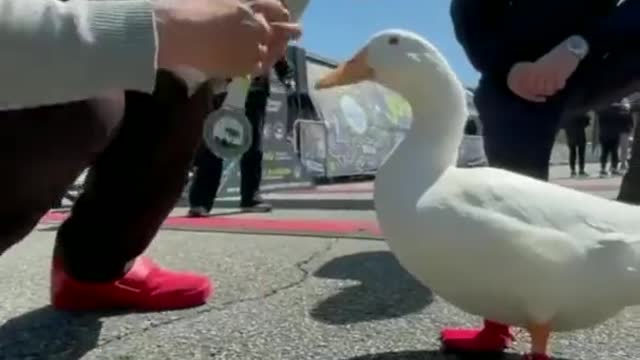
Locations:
{"points": [[278, 297]]}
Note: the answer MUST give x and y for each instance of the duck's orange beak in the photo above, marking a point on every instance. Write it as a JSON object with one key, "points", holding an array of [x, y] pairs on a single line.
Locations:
{"points": [[353, 71]]}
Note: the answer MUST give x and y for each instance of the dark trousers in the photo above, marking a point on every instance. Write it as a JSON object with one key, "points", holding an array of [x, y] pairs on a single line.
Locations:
{"points": [[206, 179], [519, 135], [139, 148], [609, 148], [577, 143]]}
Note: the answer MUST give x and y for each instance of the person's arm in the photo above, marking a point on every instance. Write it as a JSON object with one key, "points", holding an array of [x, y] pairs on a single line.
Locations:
{"points": [[53, 51], [479, 28], [617, 24]]}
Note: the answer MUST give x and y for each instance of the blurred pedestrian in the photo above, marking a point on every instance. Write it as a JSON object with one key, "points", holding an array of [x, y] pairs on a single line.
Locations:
{"points": [[575, 131], [612, 123], [625, 139], [209, 167]]}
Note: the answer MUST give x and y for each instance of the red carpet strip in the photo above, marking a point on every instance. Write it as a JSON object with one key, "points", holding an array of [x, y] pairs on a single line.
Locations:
{"points": [[261, 225]]}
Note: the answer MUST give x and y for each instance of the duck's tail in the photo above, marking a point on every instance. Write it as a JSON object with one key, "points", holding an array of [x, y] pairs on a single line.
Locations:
{"points": [[615, 269], [629, 266]]}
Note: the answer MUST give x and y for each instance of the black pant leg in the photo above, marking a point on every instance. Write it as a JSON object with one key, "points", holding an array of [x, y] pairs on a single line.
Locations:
{"points": [[572, 156], [571, 144], [251, 162], [136, 181], [42, 151], [206, 179], [605, 149], [615, 155], [582, 151], [518, 135]]}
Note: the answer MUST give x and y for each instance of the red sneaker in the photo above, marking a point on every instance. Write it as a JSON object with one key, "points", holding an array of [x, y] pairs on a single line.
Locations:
{"points": [[493, 337], [146, 287]]}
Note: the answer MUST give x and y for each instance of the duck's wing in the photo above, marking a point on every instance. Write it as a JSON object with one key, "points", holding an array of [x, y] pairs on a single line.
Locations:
{"points": [[546, 205], [536, 236]]}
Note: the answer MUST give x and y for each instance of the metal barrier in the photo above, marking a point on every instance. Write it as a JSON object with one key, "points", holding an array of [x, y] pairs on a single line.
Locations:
{"points": [[310, 143]]}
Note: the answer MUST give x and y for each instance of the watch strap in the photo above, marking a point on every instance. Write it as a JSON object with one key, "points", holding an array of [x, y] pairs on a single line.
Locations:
{"points": [[237, 92]]}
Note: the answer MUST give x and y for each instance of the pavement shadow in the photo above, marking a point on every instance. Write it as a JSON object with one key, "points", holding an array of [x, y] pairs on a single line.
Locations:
{"points": [[49, 334], [437, 355], [385, 290]]}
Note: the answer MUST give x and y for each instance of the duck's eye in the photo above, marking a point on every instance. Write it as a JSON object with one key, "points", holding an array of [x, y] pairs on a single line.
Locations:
{"points": [[394, 40]]}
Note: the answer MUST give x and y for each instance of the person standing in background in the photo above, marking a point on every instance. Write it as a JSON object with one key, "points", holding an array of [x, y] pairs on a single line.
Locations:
{"points": [[209, 167], [471, 127], [541, 61], [612, 122], [574, 130], [629, 189], [625, 138]]}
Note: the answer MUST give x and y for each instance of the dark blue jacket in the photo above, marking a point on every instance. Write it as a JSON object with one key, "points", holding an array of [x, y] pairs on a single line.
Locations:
{"points": [[578, 123], [614, 120], [499, 33]]}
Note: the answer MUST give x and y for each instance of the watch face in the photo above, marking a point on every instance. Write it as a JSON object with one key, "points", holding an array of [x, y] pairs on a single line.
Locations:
{"points": [[227, 133], [577, 45]]}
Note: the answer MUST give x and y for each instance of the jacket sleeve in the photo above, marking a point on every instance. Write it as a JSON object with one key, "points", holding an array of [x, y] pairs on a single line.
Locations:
{"points": [[617, 24], [479, 28], [55, 51]]}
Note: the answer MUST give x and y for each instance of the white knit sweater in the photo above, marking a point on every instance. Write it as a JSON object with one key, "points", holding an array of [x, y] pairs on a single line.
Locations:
{"points": [[53, 51]]}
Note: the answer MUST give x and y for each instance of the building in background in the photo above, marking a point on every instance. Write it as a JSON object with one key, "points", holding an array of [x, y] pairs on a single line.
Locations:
{"points": [[311, 136]]}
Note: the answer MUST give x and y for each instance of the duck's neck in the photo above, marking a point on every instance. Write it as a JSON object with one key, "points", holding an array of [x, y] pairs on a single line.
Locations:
{"points": [[436, 132], [428, 150]]}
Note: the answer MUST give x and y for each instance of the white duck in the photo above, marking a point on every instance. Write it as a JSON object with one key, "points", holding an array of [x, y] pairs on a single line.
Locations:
{"points": [[494, 243]]}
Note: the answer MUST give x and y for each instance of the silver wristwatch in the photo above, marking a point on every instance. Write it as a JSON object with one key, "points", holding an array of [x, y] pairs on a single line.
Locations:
{"points": [[578, 46]]}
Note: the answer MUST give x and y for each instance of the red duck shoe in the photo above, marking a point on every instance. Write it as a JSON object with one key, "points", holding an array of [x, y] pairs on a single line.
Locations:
{"points": [[146, 287], [492, 338]]}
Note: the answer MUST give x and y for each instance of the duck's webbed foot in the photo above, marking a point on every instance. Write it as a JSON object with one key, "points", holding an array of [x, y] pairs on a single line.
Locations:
{"points": [[493, 337], [539, 342]]}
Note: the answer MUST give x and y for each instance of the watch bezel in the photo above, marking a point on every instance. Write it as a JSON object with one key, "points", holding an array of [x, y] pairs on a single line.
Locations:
{"points": [[578, 46]]}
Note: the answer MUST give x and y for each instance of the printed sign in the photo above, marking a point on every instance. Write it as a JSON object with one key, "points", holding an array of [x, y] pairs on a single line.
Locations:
{"points": [[363, 122], [281, 168]]}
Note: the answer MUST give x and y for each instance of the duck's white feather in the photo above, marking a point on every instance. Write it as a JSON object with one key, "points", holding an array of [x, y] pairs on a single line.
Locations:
{"points": [[518, 250], [496, 244]]}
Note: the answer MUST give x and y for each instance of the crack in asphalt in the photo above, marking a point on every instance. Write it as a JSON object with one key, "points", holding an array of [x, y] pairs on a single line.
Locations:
{"points": [[300, 266]]}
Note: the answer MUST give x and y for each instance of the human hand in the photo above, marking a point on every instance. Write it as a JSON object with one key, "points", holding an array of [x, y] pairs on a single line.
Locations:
{"points": [[555, 68], [221, 38], [523, 81], [535, 81], [277, 15]]}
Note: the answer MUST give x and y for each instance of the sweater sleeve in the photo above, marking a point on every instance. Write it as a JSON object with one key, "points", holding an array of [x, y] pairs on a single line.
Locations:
{"points": [[479, 28], [54, 51]]}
